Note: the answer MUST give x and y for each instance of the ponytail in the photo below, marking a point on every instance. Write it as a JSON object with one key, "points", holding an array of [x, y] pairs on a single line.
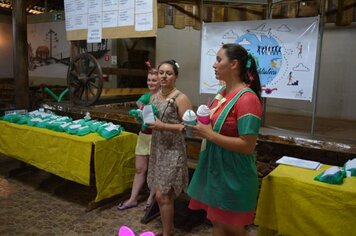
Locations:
{"points": [[251, 76]]}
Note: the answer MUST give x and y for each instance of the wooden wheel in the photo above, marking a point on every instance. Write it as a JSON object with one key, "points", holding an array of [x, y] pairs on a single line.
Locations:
{"points": [[84, 79]]}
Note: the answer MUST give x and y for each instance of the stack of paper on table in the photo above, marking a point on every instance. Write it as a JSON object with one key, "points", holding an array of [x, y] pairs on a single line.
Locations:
{"points": [[292, 161]]}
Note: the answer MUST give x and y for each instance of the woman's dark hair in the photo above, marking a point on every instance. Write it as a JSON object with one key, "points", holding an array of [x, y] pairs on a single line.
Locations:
{"points": [[248, 67], [174, 65]]}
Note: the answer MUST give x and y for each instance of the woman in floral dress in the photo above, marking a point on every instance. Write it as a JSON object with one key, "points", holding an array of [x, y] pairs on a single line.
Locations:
{"points": [[167, 168]]}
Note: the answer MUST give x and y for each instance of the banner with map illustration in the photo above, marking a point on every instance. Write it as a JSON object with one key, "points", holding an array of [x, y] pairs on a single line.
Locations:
{"points": [[285, 48]]}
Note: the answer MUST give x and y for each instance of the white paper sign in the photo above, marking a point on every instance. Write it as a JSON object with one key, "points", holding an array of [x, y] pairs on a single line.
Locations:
{"points": [[143, 6], [94, 28], [126, 17], [110, 19], [94, 35], [94, 6], [76, 22], [70, 7], [144, 22], [148, 115], [126, 4], [81, 6], [110, 5]]}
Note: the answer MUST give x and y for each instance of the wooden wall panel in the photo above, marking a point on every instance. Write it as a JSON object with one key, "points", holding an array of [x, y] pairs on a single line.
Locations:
{"points": [[197, 21], [218, 14], [179, 17], [344, 15], [188, 14], [161, 11], [311, 8], [233, 14]]}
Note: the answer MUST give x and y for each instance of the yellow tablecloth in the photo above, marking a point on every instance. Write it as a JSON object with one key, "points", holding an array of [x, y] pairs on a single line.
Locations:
{"points": [[69, 156], [292, 203]]}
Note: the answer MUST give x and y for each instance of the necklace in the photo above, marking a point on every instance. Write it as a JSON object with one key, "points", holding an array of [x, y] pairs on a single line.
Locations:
{"points": [[168, 93]]}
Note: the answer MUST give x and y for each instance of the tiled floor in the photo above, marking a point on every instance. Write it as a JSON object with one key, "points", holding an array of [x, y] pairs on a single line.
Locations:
{"points": [[38, 203]]}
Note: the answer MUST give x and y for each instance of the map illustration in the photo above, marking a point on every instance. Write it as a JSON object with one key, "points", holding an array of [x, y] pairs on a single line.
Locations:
{"points": [[284, 49]]}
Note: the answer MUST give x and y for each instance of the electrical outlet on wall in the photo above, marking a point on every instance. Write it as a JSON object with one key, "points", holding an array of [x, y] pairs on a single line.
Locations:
{"points": [[113, 60]]}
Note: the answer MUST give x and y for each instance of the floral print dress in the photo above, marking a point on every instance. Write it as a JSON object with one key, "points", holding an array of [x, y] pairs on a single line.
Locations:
{"points": [[167, 166]]}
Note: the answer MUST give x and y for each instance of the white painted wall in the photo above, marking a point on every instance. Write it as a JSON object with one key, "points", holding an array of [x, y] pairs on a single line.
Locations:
{"points": [[337, 83], [337, 80], [184, 47]]}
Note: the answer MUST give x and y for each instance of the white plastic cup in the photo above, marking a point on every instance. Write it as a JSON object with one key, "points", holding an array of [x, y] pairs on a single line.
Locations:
{"points": [[188, 129]]}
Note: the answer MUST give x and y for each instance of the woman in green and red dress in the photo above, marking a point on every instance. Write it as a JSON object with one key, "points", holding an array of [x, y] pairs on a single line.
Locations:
{"points": [[225, 182]]}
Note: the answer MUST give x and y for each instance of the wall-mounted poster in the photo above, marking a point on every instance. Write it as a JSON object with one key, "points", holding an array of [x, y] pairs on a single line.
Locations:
{"points": [[94, 20], [49, 52], [285, 48]]}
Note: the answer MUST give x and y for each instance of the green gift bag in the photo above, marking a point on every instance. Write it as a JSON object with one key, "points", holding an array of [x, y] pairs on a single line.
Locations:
{"points": [[333, 175]]}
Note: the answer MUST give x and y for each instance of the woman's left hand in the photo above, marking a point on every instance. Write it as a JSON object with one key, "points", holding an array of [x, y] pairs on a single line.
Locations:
{"points": [[158, 125]]}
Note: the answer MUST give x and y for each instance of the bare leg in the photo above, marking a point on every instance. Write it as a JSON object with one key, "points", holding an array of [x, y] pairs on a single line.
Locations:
{"points": [[150, 197], [222, 229], [149, 200], [166, 208], [141, 163]]}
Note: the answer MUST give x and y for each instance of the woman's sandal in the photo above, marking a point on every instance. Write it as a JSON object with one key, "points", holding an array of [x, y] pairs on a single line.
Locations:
{"points": [[147, 206], [123, 206]]}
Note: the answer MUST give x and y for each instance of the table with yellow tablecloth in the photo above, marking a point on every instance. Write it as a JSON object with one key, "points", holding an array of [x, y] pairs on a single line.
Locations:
{"points": [[70, 156], [291, 202]]}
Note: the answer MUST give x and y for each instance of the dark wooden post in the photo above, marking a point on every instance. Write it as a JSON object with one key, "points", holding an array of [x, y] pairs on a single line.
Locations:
{"points": [[74, 49], [19, 30]]}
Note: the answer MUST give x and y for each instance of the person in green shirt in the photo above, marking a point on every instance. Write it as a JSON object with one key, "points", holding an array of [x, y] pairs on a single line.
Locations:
{"points": [[143, 148]]}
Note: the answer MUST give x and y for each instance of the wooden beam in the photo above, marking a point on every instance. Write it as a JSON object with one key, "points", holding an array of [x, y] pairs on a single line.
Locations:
{"points": [[124, 71], [19, 22], [122, 91]]}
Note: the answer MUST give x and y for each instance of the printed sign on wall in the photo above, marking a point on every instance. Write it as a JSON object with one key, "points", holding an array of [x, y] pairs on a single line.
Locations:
{"points": [[285, 48]]}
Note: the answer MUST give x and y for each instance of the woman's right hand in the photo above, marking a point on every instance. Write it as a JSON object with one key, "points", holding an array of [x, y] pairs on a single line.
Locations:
{"points": [[202, 130]]}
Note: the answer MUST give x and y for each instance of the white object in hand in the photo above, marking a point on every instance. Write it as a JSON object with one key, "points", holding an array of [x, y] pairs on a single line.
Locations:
{"points": [[189, 116], [203, 114], [203, 110], [148, 115]]}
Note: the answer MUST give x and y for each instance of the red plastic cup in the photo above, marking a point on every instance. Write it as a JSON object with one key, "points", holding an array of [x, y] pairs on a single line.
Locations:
{"points": [[204, 119]]}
